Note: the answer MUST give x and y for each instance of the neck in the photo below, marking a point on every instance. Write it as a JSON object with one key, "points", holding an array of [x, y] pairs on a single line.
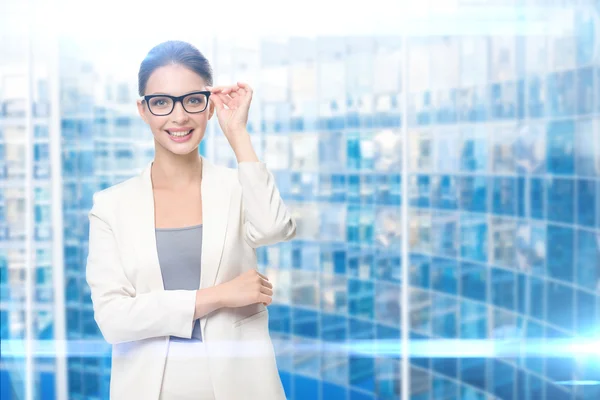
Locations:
{"points": [[172, 171]]}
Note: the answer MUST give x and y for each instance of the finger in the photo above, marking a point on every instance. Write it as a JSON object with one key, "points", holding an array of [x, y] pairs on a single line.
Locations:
{"points": [[262, 276], [229, 89], [266, 283], [216, 101], [228, 101], [214, 89], [245, 86], [266, 300], [267, 291], [220, 88]]}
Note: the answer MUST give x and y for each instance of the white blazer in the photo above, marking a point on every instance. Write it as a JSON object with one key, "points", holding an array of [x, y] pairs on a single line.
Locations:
{"points": [[241, 210]]}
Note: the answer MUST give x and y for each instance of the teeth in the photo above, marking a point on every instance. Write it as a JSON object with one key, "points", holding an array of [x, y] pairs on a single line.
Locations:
{"points": [[179, 134]]}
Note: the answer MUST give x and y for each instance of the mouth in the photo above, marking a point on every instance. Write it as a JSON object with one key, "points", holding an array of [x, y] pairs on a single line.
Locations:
{"points": [[180, 134]]}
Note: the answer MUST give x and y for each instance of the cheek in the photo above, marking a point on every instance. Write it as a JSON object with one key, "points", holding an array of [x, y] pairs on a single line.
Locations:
{"points": [[158, 124]]}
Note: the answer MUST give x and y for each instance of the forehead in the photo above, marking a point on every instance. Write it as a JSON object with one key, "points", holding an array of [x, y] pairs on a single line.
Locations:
{"points": [[174, 80]]}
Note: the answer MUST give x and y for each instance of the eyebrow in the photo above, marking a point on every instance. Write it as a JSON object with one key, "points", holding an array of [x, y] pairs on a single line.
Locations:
{"points": [[167, 94]]}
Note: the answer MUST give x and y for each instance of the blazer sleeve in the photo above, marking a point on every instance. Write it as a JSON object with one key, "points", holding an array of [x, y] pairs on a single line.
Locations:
{"points": [[122, 314], [267, 220]]}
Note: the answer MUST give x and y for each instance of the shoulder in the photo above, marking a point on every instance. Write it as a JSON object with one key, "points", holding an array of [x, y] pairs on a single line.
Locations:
{"points": [[244, 174], [222, 174], [116, 194]]}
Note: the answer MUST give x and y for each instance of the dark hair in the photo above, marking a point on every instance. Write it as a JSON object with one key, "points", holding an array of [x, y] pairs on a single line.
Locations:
{"points": [[177, 53]]}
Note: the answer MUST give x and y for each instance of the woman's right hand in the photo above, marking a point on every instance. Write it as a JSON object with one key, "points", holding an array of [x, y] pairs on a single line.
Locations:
{"points": [[249, 288]]}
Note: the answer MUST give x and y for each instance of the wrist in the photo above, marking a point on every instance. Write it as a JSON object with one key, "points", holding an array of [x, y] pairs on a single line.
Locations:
{"points": [[207, 301], [243, 149], [239, 140], [218, 296]]}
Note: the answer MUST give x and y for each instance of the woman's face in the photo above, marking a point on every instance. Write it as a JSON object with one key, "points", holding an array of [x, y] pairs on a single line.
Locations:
{"points": [[176, 80]]}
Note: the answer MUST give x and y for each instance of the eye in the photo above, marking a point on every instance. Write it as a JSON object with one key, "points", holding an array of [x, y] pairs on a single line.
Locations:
{"points": [[196, 99], [160, 102]]}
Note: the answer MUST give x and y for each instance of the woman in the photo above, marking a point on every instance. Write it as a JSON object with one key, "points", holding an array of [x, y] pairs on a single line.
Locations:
{"points": [[172, 262]]}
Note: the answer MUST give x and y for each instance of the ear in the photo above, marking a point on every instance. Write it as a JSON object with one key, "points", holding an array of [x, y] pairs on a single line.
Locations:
{"points": [[142, 110], [211, 109]]}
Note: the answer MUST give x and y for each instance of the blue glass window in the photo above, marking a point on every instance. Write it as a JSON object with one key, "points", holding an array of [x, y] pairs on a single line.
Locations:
{"points": [[473, 320], [537, 294], [588, 259], [521, 293], [333, 327], [280, 318], [560, 253], [535, 332], [474, 241], [74, 382], [562, 93], [473, 281], [560, 305], [445, 239], [597, 96], [445, 366], [305, 388], [444, 192], [419, 271], [473, 193], [73, 322], [474, 372], [420, 190], [504, 376], [503, 288], [305, 323], [91, 384], [387, 378], [560, 200], [537, 97], [586, 202], [585, 91], [444, 313], [598, 201], [469, 393], [41, 152], [586, 148], [474, 152], [387, 303], [585, 35], [586, 318], [360, 298], [531, 198], [330, 391], [505, 196], [559, 149], [444, 275]]}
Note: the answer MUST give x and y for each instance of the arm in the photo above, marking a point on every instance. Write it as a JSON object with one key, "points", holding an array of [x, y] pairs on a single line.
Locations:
{"points": [[122, 314], [267, 220]]}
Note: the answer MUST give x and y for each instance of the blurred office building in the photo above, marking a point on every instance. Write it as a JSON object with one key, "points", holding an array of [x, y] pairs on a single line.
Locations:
{"points": [[502, 134]]}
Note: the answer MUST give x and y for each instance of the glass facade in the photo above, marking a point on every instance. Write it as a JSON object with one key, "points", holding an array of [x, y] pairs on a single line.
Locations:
{"points": [[502, 179]]}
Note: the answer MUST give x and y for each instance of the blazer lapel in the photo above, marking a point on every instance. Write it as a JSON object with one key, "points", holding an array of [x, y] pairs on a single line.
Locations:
{"points": [[216, 196], [143, 211]]}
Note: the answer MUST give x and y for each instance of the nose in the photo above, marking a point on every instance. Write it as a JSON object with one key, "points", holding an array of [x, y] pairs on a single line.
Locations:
{"points": [[179, 115]]}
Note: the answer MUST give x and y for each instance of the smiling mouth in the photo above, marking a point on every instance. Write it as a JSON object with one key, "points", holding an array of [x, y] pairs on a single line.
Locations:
{"points": [[180, 134]]}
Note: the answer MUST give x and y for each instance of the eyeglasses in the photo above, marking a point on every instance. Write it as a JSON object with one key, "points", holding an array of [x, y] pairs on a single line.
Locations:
{"points": [[163, 104]]}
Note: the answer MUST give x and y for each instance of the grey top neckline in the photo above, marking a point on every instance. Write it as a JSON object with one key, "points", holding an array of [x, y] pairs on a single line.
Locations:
{"points": [[183, 228], [180, 258]]}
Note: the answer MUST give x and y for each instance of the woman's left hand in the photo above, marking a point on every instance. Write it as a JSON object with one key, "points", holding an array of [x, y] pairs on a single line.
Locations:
{"points": [[232, 104]]}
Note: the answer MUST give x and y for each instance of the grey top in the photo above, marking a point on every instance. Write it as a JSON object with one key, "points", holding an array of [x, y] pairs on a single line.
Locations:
{"points": [[179, 255]]}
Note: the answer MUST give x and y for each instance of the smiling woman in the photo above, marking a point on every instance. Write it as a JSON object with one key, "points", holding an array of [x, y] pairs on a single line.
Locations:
{"points": [[172, 252]]}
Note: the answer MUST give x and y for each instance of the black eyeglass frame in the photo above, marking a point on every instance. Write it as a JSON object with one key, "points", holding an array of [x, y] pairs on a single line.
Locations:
{"points": [[176, 99]]}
